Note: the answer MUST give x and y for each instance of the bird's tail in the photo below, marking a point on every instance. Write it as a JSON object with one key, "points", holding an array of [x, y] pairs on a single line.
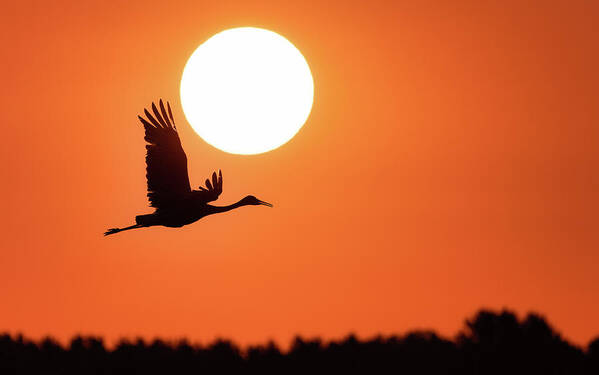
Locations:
{"points": [[116, 230], [146, 220]]}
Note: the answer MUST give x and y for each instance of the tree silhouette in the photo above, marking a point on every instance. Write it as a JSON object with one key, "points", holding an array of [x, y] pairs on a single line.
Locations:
{"points": [[490, 343]]}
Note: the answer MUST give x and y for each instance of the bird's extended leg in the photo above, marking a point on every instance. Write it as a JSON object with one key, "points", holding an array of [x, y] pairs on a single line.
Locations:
{"points": [[116, 230]]}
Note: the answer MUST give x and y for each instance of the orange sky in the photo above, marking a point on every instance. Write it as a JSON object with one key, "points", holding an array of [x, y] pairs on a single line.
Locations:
{"points": [[449, 163]]}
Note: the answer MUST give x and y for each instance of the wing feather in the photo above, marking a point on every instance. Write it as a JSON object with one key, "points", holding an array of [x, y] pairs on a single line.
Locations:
{"points": [[170, 113], [164, 116], [212, 190]]}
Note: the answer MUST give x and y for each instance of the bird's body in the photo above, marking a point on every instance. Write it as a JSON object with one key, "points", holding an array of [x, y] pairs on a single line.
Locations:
{"points": [[188, 211], [169, 190]]}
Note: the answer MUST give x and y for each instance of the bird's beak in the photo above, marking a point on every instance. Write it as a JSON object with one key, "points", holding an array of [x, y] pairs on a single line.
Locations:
{"points": [[264, 203]]}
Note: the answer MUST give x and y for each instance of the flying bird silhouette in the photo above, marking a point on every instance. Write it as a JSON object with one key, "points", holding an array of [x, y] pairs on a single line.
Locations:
{"points": [[169, 190]]}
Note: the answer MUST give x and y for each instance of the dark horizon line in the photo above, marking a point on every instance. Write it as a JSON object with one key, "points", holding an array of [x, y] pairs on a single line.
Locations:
{"points": [[174, 342], [492, 343]]}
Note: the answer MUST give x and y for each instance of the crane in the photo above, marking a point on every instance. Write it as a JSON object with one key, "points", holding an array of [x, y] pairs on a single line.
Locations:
{"points": [[169, 190]]}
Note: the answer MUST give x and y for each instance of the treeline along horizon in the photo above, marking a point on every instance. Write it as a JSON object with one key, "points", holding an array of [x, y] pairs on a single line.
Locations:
{"points": [[489, 343]]}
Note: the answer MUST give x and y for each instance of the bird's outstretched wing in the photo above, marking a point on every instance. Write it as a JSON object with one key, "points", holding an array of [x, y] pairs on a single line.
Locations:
{"points": [[212, 190], [166, 163]]}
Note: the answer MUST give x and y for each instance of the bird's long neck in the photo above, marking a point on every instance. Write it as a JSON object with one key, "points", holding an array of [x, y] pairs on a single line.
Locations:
{"points": [[219, 209]]}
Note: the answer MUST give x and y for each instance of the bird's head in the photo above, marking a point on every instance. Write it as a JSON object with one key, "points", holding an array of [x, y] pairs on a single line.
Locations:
{"points": [[250, 200]]}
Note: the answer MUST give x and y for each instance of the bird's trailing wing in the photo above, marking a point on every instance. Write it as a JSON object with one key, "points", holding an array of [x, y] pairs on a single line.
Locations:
{"points": [[166, 163], [212, 190]]}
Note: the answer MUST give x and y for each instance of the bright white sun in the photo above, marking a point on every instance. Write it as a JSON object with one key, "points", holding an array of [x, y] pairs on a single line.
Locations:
{"points": [[247, 90]]}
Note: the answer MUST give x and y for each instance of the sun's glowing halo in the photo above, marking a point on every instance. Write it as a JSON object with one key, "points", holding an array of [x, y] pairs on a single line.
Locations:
{"points": [[247, 90]]}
